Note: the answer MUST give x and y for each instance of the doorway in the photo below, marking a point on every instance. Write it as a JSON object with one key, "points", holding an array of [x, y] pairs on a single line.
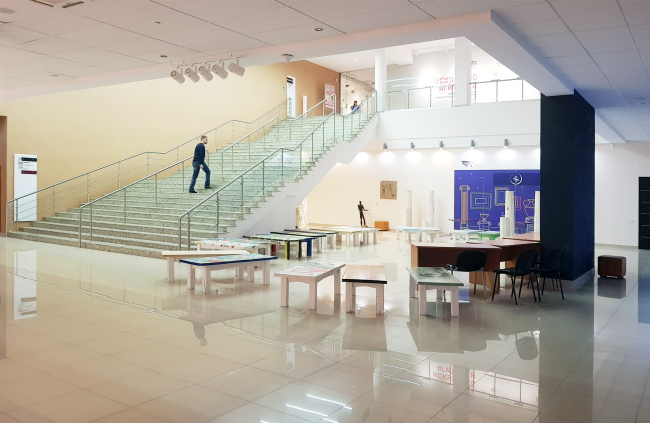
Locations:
{"points": [[644, 213]]}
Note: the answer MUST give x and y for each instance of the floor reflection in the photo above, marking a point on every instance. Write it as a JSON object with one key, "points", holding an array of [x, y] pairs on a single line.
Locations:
{"points": [[111, 334]]}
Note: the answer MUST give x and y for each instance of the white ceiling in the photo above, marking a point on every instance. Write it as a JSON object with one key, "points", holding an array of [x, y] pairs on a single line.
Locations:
{"points": [[600, 47]]}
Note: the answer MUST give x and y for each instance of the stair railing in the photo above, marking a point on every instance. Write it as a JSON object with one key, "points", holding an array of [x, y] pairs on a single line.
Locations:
{"points": [[97, 182], [281, 165]]}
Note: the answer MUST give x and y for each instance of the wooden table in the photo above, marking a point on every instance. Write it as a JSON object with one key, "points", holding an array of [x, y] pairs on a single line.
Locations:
{"points": [[174, 256], [435, 278], [440, 254], [250, 245], [357, 275], [208, 264], [510, 249], [530, 236], [310, 273]]}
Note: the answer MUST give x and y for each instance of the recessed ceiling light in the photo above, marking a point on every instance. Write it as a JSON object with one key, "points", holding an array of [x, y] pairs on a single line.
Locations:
{"points": [[318, 29], [54, 75], [638, 98], [163, 56], [7, 11], [157, 23]]}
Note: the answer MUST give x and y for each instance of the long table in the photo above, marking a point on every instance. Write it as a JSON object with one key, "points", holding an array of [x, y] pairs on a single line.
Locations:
{"points": [[440, 254], [331, 235], [252, 246], [510, 249], [287, 240]]}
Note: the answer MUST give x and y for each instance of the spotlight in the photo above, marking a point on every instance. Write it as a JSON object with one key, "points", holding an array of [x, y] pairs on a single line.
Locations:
{"points": [[385, 147], [318, 29], [441, 145], [472, 144], [412, 146], [505, 143], [236, 69], [191, 73], [287, 57], [204, 71], [219, 71], [177, 76]]}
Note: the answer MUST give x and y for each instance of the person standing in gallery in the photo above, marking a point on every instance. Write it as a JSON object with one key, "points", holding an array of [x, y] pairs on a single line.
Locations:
{"points": [[362, 218], [199, 163], [354, 107]]}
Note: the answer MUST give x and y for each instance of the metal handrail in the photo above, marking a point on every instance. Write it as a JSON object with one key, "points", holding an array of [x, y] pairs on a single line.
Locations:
{"points": [[247, 135], [90, 203], [241, 176]]}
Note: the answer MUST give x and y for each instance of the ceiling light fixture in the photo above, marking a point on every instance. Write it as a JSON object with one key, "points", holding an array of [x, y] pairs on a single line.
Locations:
{"points": [[164, 56], [412, 146], [77, 3], [178, 76], [287, 57], [204, 71], [472, 144], [318, 29], [191, 73], [54, 75], [505, 143], [219, 71], [157, 23], [236, 69], [385, 147], [441, 145]]}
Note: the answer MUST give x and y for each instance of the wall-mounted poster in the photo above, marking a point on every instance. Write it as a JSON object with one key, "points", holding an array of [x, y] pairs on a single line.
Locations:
{"points": [[388, 190], [329, 96], [480, 198]]}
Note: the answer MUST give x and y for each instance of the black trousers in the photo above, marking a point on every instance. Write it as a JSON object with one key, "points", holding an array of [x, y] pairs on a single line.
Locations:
{"points": [[362, 219]]}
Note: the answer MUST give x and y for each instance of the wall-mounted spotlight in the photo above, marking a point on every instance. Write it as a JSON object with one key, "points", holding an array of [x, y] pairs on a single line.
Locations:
{"points": [[177, 76], [412, 146], [472, 144], [204, 71], [441, 145], [505, 143], [191, 74], [385, 147], [219, 71], [236, 69]]}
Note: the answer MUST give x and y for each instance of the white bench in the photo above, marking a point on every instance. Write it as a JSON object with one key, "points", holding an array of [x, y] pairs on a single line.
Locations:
{"points": [[310, 273], [175, 256], [362, 275], [427, 278]]}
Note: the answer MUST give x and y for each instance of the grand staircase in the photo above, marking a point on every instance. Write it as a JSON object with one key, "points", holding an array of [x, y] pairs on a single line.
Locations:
{"points": [[156, 212]]}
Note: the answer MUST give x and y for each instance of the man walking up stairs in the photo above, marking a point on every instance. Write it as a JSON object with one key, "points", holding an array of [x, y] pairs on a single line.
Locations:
{"points": [[199, 163]]}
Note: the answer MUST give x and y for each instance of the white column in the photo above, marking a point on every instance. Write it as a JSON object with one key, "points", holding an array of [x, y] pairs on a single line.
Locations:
{"points": [[380, 78], [462, 72], [510, 213], [537, 205], [408, 212]]}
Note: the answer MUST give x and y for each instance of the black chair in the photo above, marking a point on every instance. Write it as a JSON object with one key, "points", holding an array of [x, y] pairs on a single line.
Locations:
{"points": [[470, 261], [550, 268], [524, 267]]}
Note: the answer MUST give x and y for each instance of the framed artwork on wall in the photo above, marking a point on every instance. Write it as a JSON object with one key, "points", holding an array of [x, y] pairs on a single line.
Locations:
{"points": [[388, 190]]}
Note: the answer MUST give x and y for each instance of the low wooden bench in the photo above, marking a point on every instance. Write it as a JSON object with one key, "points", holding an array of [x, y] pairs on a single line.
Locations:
{"points": [[310, 273], [427, 278], [175, 256], [357, 275], [611, 266], [208, 264]]}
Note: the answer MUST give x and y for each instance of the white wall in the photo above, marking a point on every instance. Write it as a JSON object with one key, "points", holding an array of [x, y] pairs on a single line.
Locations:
{"points": [[334, 200], [618, 168]]}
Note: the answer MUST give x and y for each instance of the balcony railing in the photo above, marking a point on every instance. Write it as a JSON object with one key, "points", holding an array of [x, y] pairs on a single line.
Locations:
{"points": [[442, 96]]}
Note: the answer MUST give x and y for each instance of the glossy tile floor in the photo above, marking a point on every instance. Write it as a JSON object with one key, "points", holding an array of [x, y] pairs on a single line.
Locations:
{"points": [[89, 336]]}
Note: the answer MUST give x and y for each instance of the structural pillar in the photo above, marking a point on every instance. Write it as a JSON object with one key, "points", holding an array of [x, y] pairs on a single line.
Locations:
{"points": [[567, 170], [380, 78], [462, 72]]}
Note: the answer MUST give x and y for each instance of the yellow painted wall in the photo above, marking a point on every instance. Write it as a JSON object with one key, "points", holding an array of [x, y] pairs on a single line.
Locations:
{"points": [[75, 132]]}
